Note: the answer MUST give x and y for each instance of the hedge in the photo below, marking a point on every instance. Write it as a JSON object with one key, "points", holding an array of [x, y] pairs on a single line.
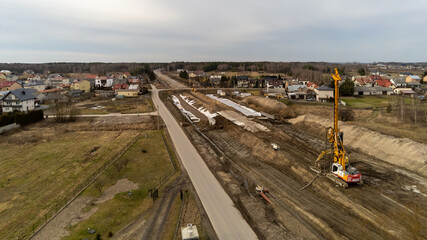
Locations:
{"points": [[21, 118]]}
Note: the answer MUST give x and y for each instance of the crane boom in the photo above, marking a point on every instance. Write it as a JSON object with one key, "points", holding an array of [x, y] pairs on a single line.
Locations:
{"points": [[340, 167]]}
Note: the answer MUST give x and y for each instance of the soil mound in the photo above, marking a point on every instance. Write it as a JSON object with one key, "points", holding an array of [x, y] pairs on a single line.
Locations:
{"points": [[403, 152]]}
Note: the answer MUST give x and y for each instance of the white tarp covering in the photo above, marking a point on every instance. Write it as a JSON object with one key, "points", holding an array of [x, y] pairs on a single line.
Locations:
{"points": [[189, 114], [204, 111], [245, 110]]}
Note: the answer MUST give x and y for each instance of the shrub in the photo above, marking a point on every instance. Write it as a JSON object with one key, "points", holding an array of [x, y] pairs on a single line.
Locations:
{"points": [[21, 118], [346, 114]]}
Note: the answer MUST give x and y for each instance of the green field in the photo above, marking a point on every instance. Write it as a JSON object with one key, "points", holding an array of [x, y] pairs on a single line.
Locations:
{"points": [[42, 167], [367, 101], [146, 169]]}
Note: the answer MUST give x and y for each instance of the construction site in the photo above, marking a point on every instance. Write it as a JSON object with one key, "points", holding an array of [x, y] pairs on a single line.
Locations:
{"points": [[287, 170]]}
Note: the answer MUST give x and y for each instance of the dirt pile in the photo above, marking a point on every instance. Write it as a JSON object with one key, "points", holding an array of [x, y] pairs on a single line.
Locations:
{"points": [[399, 151]]}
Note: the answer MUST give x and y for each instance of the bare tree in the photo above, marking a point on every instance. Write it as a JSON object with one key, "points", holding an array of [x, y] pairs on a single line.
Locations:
{"points": [[125, 161], [99, 184], [118, 166]]}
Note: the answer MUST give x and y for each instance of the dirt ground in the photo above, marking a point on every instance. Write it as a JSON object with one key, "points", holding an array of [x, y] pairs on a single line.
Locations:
{"points": [[390, 205], [77, 211]]}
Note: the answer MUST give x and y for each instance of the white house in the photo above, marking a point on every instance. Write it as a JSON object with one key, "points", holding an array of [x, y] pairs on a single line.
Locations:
{"points": [[18, 100], [103, 82], [324, 93]]}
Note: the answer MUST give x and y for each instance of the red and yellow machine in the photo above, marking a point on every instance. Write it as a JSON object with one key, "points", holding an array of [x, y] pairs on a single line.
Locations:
{"points": [[341, 171]]}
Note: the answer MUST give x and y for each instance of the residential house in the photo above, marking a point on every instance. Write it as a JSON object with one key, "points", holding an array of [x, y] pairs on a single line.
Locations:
{"points": [[413, 79], [103, 81], [405, 74], [362, 81], [9, 85], [273, 83], [127, 75], [6, 72], [57, 80], [399, 82], [311, 86], [413, 85], [119, 86], [134, 80], [361, 91], [65, 87], [83, 85], [297, 91], [38, 85], [2, 77], [75, 93], [2, 94], [405, 92], [215, 80], [53, 90], [303, 81], [13, 78], [55, 98], [384, 83], [127, 92], [242, 81], [134, 87], [193, 74], [254, 83], [324, 93], [20, 99], [381, 90], [366, 91], [34, 77], [40, 97], [92, 80]]}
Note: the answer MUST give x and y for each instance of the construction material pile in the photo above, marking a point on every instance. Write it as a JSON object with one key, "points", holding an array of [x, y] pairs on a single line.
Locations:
{"points": [[204, 111], [186, 113], [244, 110], [242, 121]]}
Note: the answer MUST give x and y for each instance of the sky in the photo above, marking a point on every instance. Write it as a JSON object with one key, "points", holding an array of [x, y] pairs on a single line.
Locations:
{"points": [[37, 31]]}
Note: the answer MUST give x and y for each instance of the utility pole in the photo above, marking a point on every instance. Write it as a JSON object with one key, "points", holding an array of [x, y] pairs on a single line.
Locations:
{"points": [[158, 117]]}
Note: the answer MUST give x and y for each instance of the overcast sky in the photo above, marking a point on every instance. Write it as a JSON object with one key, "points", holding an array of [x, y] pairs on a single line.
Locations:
{"points": [[220, 30]]}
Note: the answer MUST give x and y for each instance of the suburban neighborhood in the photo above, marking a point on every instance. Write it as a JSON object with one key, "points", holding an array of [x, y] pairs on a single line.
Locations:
{"points": [[213, 120]]}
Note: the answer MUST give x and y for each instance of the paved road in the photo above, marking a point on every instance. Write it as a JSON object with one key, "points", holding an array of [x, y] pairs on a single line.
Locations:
{"points": [[173, 83], [225, 218]]}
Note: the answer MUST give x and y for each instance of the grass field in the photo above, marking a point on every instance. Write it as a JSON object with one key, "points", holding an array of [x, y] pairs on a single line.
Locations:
{"points": [[125, 105], [367, 101], [146, 169], [42, 166]]}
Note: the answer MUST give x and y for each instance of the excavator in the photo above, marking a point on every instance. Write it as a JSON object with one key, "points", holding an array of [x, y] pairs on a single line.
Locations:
{"points": [[341, 172]]}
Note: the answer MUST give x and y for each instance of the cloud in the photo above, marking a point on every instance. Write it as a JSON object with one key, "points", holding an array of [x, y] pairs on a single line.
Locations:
{"points": [[166, 30]]}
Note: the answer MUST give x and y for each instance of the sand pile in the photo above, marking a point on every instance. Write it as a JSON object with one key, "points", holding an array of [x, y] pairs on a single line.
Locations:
{"points": [[399, 151]]}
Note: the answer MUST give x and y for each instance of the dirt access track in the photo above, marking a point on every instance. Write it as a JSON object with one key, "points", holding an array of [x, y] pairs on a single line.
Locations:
{"points": [[390, 205]]}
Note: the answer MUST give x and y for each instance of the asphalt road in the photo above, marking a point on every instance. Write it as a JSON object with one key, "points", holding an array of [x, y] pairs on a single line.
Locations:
{"points": [[173, 83], [225, 218]]}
